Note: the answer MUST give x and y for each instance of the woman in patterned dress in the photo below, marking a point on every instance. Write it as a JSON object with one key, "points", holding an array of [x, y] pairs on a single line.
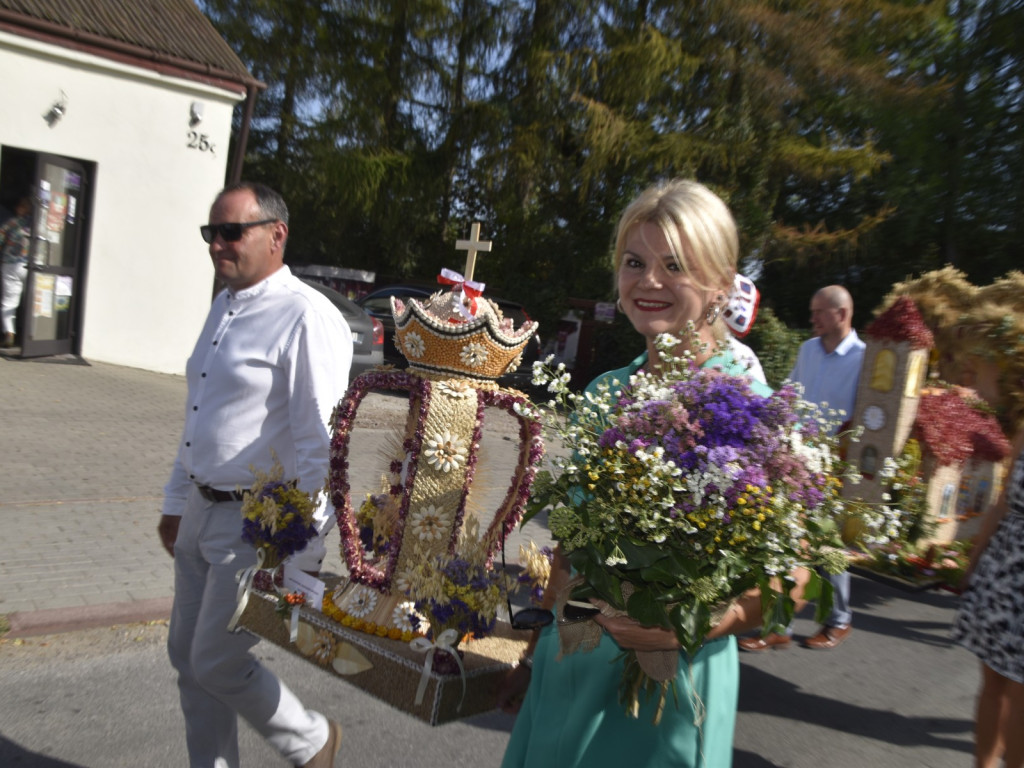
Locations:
{"points": [[990, 621]]}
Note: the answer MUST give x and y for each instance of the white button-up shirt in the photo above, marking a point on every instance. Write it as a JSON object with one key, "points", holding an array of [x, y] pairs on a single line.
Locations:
{"points": [[271, 363]]}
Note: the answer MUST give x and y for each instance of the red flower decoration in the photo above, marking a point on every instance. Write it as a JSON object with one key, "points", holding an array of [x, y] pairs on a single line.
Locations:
{"points": [[902, 322], [954, 431]]}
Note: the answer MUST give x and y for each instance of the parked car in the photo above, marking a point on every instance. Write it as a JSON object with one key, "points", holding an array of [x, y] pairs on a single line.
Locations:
{"points": [[378, 304], [367, 331]]}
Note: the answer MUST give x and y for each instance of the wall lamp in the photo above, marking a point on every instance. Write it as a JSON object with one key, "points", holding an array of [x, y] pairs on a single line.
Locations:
{"points": [[57, 110]]}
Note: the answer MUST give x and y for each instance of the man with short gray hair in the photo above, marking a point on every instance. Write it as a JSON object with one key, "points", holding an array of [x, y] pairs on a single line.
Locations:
{"points": [[271, 363]]}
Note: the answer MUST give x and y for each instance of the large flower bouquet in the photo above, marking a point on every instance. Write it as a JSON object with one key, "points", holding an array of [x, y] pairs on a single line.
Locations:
{"points": [[683, 489]]}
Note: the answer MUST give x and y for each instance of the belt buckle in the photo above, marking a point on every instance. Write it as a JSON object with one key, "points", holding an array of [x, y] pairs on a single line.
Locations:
{"points": [[206, 492]]}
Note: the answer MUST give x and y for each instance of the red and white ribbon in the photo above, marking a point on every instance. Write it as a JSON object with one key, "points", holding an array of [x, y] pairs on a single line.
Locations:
{"points": [[468, 289]]}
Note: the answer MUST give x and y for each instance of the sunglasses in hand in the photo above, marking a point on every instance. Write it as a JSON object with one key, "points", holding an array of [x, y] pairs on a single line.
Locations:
{"points": [[230, 232], [527, 618]]}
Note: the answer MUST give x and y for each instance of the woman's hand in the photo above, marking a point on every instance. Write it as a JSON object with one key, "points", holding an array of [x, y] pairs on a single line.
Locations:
{"points": [[513, 689], [629, 633]]}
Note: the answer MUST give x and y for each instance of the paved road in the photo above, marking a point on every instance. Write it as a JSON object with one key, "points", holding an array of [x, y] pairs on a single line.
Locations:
{"points": [[86, 452]]}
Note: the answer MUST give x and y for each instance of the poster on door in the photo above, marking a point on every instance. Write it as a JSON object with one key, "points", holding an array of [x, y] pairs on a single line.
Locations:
{"points": [[42, 301], [62, 293], [55, 217]]}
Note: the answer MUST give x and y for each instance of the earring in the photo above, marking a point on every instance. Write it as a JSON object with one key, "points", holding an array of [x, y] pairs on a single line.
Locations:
{"points": [[618, 306], [712, 314]]}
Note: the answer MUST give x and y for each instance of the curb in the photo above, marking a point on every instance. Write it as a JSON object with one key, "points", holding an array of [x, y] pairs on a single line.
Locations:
{"points": [[53, 621]]}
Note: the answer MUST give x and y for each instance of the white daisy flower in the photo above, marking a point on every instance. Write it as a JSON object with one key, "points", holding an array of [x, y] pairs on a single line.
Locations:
{"points": [[457, 390], [473, 355], [402, 583], [516, 362], [430, 523], [413, 344], [401, 617], [361, 602], [445, 452]]}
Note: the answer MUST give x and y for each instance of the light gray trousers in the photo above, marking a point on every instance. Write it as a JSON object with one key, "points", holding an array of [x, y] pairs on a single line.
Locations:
{"points": [[218, 678]]}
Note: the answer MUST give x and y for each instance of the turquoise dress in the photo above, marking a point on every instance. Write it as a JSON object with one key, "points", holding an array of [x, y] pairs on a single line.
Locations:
{"points": [[572, 717]]}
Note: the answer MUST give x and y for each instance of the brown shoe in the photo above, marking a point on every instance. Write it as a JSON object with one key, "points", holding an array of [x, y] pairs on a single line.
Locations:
{"points": [[758, 643], [325, 757], [828, 637]]}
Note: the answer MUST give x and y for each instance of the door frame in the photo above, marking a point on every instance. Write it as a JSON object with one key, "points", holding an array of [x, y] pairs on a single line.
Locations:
{"points": [[69, 341]]}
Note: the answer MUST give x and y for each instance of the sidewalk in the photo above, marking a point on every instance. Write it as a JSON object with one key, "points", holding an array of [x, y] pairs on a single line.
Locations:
{"points": [[88, 447]]}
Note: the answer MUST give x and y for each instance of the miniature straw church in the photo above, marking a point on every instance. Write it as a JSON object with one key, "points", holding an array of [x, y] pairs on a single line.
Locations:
{"points": [[962, 446]]}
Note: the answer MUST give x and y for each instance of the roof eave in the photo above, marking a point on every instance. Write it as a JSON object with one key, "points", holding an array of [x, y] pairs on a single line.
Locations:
{"points": [[126, 53]]}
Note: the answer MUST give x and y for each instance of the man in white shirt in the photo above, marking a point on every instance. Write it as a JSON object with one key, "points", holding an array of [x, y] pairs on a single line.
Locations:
{"points": [[270, 364], [828, 366]]}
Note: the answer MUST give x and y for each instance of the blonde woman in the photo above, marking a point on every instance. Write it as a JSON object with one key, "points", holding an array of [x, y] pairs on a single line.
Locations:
{"points": [[675, 259]]}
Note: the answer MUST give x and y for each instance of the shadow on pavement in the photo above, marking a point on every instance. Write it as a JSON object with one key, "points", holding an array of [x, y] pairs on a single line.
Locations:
{"points": [[14, 756], [763, 693], [741, 759]]}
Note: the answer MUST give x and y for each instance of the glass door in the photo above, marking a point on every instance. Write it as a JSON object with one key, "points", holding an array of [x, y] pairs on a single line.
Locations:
{"points": [[53, 286]]}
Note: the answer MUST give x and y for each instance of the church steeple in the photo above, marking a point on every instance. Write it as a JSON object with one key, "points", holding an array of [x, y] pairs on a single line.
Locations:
{"points": [[894, 370]]}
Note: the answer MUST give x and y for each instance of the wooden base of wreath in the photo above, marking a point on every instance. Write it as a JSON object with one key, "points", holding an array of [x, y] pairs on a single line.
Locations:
{"points": [[395, 670]]}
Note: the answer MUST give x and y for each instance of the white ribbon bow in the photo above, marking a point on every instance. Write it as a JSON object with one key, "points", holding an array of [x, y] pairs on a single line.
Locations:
{"points": [[245, 578], [293, 624], [445, 642]]}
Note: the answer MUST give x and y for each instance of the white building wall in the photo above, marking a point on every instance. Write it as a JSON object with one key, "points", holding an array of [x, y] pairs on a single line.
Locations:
{"points": [[148, 274]]}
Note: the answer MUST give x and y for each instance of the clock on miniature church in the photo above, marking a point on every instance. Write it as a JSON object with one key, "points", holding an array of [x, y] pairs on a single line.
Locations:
{"points": [[895, 365]]}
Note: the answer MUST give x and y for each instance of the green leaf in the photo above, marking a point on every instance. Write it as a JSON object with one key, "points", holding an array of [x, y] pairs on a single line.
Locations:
{"points": [[607, 586], [644, 606], [641, 555], [779, 615], [692, 623], [540, 496], [660, 573], [823, 605], [686, 568]]}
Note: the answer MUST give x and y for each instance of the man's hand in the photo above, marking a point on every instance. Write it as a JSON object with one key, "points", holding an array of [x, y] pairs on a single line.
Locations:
{"points": [[168, 530]]}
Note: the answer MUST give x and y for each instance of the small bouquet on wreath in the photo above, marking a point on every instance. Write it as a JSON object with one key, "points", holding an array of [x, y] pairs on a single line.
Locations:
{"points": [[454, 597], [277, 518], [684, 489], [457, 593]]}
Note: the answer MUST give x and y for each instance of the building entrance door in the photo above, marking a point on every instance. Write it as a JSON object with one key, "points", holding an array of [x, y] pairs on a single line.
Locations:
{"points": [[53, 288]]}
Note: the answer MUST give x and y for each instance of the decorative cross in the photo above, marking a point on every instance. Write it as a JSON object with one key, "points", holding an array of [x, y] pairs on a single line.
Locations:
{"points": [[472, 246]]}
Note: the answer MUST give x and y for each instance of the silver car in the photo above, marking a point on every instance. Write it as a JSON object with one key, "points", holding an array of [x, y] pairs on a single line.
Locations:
{"points": [[367, 331]]}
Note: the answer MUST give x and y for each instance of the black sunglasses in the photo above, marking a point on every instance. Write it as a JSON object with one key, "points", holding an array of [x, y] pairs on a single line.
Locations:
{"points": [[528, 618], [231, 232]]}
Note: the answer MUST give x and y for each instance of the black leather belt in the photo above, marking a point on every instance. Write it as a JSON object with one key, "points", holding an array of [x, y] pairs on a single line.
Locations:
{"points": [[218, 497]]}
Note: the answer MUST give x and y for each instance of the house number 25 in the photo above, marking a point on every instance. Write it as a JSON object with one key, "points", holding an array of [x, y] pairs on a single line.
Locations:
{"points": [[199, 141]]}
